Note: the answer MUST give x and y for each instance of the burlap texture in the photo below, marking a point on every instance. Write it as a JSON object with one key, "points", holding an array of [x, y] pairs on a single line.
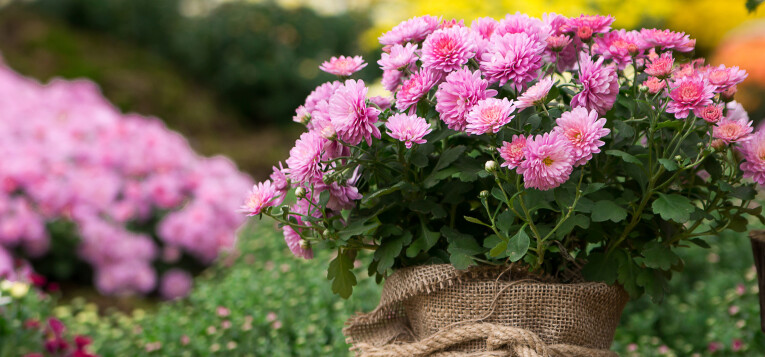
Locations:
{"points": [[437, 310]]}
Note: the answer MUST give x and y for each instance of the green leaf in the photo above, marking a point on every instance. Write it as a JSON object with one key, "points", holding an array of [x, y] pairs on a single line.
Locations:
{"points": [[388, 250], [700, 242], [713, 168], [518, 245], [428, 207], [625, 156], [461, 261], [654, 283], [674, 124], [504, 221], [419, 159], [656, 255], [448, 156], [745, 193], [476, 221], [673, 207], [460, 242], [592, 188], [424, 242], [608, 210], [668, 164], [599, 267], [324, 198], [341, 274], [382, 192], [568, 225], [358, 227], [627, 274], [498, 249]]}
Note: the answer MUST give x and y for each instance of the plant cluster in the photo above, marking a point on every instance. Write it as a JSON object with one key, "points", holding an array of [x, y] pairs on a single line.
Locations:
{"points": [[86, 190], [557, 143]]}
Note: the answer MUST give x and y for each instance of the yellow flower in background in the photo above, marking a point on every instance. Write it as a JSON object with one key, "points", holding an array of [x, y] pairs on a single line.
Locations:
{"points": [[19, 290]]}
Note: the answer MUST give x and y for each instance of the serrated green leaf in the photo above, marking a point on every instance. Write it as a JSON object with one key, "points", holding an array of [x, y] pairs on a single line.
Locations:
{"points": [[388, 250], [656, 255], [599, 267], [504, 221], [745, 193], [592, 188], [518, 245], [426, 240], [448, 156], [673, 207], [341, 273], [382, 192], [358, 227], [627, 157], [668, 164], [324, 198], [627, 274], [568, 225], [461, 261], [608, 210]]}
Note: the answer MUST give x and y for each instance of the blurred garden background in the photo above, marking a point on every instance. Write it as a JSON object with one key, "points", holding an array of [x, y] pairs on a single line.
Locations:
{"points": [[228, 76]]}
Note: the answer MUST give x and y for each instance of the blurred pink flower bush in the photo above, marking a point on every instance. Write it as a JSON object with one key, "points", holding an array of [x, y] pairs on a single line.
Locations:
{"points": [[135, 190]]}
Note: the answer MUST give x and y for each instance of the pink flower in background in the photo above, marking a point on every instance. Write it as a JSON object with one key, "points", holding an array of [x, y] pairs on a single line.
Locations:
{"points": [[415, 88], [343, 66], [583, 130], [535, 94], [489, 115], [736, 345], [512, 152], [175, 284], [557, 43], [412, 30], [263, 195], [514, 57], [732, 130], [461, 90], [711, 113], [724, 77], [690, 93], [516, 23], [304, 164], [400, 57], [548, 161], [654, 85], [585, 26], [620, 46], [448, 49], [661, 67], [600, 85], [668, 40], [410, 129], [382, 102], [350, 116]]}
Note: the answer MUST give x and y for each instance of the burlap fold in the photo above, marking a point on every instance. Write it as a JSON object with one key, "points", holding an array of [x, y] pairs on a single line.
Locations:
{"points": [[437, 310]]}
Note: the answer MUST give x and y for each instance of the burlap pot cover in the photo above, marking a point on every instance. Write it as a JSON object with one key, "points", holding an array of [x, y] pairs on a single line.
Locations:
{"points": [[437, 310]]}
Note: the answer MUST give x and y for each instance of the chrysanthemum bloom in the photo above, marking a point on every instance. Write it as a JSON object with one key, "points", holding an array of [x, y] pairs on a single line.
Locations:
{"points": [[548, 161], [728, 94], [452, 23], [412, 30], [661, 67], [724, 77], [292, 238], [711, 113], [556, 22], [654, 85], [400, 57], [448, 49], [557, 43], [263, 195], [512, 57], [343, 66], [461, 90], [753, 164], [321, 93], [537, 29], [489, 115], [585, 26], [382, 102], [350, 116], [512, 152], [304, 163], [483, 27], [279, 179], [416, 87], [600, 85], [341, 196], [732, 130], [535, 95], [583, 130], [392, 79], [302, 115], [410, 129], [689, 93], [666, 40], [620, 46], [175, 284]]}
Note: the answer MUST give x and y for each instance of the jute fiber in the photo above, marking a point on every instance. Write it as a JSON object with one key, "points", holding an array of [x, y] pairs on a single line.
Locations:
{"points": [[437, 310]]}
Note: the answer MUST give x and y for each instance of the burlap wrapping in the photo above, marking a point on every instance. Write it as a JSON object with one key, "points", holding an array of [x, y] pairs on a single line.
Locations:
{"points": [[437, 310]]}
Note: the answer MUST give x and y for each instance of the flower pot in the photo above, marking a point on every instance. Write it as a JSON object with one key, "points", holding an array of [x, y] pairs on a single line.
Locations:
{"points": [[434, 309]]}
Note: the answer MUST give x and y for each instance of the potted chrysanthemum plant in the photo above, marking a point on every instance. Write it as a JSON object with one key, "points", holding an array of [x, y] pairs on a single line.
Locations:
{"points": [[523, 180]]}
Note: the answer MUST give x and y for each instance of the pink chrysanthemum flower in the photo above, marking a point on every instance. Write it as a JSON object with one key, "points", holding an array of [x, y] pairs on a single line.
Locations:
{"points": [[711, 113], [304, 163], [452, 23], [548, 161], [690, 93], [302, 115], [666, 40], [661, 67], [732, 130], [392, 79], [654, 85], [400, 57], [382, 102], [483, 27], [410, 129], [415, 88], [535, 94], [263, 195], [512, 152], [448, 49], [412, 30], [321, 93], [461, 90], [600, 85], [620, 46], [343, 66], [724, 77], [292, 238], [279, 179], [522, 23], [753, 164], [350, 116], [557, 43], [585, 26], [556, 22], [512, 57], [583, 130], [489, 115]]}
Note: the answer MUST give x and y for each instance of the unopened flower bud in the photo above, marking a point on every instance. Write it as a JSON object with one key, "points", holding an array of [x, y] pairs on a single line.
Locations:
{"points": [[300, 192], [325, 233], [584, 33], [490, 166], [561, 107], [699, 145], [483, 194], [328, 178], [728, 94], [633, 49], [678, 158], [643, 88], [304, 244], [718, 145]]}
